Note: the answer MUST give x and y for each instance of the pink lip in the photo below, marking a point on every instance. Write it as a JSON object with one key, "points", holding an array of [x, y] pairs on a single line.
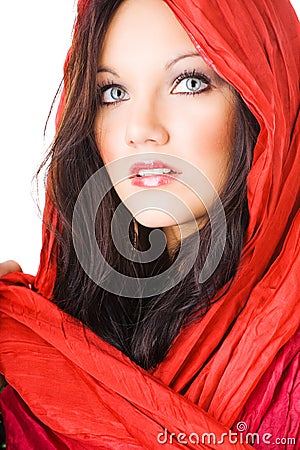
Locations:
{"points": [[134, 169], [155, 180]]}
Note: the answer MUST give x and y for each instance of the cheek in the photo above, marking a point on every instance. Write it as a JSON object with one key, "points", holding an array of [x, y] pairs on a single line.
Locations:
{"points": [[107, 136], [207, 136], [212, 125], [221, 127]]}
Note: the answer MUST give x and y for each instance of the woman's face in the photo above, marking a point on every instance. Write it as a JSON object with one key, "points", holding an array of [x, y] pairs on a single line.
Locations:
{"points": [[159, 96]]}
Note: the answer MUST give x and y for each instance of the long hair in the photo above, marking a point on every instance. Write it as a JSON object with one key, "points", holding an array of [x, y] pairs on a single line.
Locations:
{"points": [[142, 328]]}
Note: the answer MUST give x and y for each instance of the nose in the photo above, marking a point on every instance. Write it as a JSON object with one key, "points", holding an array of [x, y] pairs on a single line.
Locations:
{"points": [[145, 127]]}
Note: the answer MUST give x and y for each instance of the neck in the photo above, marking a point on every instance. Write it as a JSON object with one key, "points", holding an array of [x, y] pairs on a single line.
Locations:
{"points": [[176, 234]]}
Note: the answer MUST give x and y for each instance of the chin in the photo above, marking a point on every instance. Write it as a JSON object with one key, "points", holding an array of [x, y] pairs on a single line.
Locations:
{"points": [[155, 219]]}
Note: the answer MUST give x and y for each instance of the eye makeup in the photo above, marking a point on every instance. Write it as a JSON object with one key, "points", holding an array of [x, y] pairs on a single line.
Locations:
{"points": [[196, 83], [116, 93]]}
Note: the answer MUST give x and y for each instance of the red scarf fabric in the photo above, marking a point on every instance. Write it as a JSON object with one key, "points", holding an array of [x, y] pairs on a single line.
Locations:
{"points": [[92, 396]]}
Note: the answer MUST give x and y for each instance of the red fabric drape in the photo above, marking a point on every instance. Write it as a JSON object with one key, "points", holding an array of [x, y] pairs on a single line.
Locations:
{"points": [[87, 391]]}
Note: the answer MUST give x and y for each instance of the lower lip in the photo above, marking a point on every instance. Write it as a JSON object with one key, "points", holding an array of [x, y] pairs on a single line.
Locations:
{"points": [[153, 181]]}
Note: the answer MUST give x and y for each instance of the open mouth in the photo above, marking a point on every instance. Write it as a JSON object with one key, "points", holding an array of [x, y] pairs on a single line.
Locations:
{"points": [[152, 174]]}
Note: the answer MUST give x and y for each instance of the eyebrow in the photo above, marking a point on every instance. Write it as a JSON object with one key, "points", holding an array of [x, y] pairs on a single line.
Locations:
{"points": [[107, 69], [169, 64], [180, 57]]}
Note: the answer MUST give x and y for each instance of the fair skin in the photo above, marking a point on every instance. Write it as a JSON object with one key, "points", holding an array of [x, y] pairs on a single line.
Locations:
{"points": [[168, 102], [9, 267], [159, 96]]}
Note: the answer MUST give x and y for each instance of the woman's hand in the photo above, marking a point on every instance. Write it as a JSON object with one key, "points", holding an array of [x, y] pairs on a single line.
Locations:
{"points": [[9, 267]]}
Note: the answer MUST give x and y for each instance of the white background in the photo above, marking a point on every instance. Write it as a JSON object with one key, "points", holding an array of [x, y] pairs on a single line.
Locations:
{"points": [[34, 37]]}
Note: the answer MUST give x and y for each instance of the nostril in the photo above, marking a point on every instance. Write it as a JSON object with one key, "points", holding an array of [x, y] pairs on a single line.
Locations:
{"points": [[137, 135]]}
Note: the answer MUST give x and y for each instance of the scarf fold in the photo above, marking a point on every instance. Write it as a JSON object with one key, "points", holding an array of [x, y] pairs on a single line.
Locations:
{"points": [[87, 393]]}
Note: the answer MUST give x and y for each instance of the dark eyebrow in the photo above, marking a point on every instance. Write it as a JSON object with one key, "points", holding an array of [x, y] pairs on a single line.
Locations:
{"points": [[180, 57], [107, 69]]}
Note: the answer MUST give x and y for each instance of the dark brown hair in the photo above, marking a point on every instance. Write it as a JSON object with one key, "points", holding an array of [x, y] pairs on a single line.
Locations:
{"points": [[142, 328]]}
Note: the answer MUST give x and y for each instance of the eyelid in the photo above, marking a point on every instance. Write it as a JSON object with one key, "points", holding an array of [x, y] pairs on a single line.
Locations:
{"points": [[105, 86], [191, 74], [109, 84]]}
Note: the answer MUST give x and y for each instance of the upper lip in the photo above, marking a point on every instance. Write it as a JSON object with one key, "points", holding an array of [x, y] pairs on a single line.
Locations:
{"points": [[146, 165]]}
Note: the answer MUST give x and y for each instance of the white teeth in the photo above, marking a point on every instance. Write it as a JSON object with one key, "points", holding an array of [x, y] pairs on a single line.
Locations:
{"points": [[157, 171]]}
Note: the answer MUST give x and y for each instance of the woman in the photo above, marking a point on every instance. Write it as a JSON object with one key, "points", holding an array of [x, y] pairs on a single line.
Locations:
{"points": [[204, 355]]}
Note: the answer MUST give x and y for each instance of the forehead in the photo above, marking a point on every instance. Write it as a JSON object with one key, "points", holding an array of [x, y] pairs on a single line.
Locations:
{"points": [[144, 28]]}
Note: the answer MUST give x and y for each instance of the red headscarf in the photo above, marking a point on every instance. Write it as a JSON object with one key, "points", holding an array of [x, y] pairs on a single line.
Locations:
{"points": [[91, 395]]}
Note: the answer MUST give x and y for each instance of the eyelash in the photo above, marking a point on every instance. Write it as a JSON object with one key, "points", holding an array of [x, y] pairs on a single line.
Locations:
{"points": [[193, 74], [105, 85]]}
